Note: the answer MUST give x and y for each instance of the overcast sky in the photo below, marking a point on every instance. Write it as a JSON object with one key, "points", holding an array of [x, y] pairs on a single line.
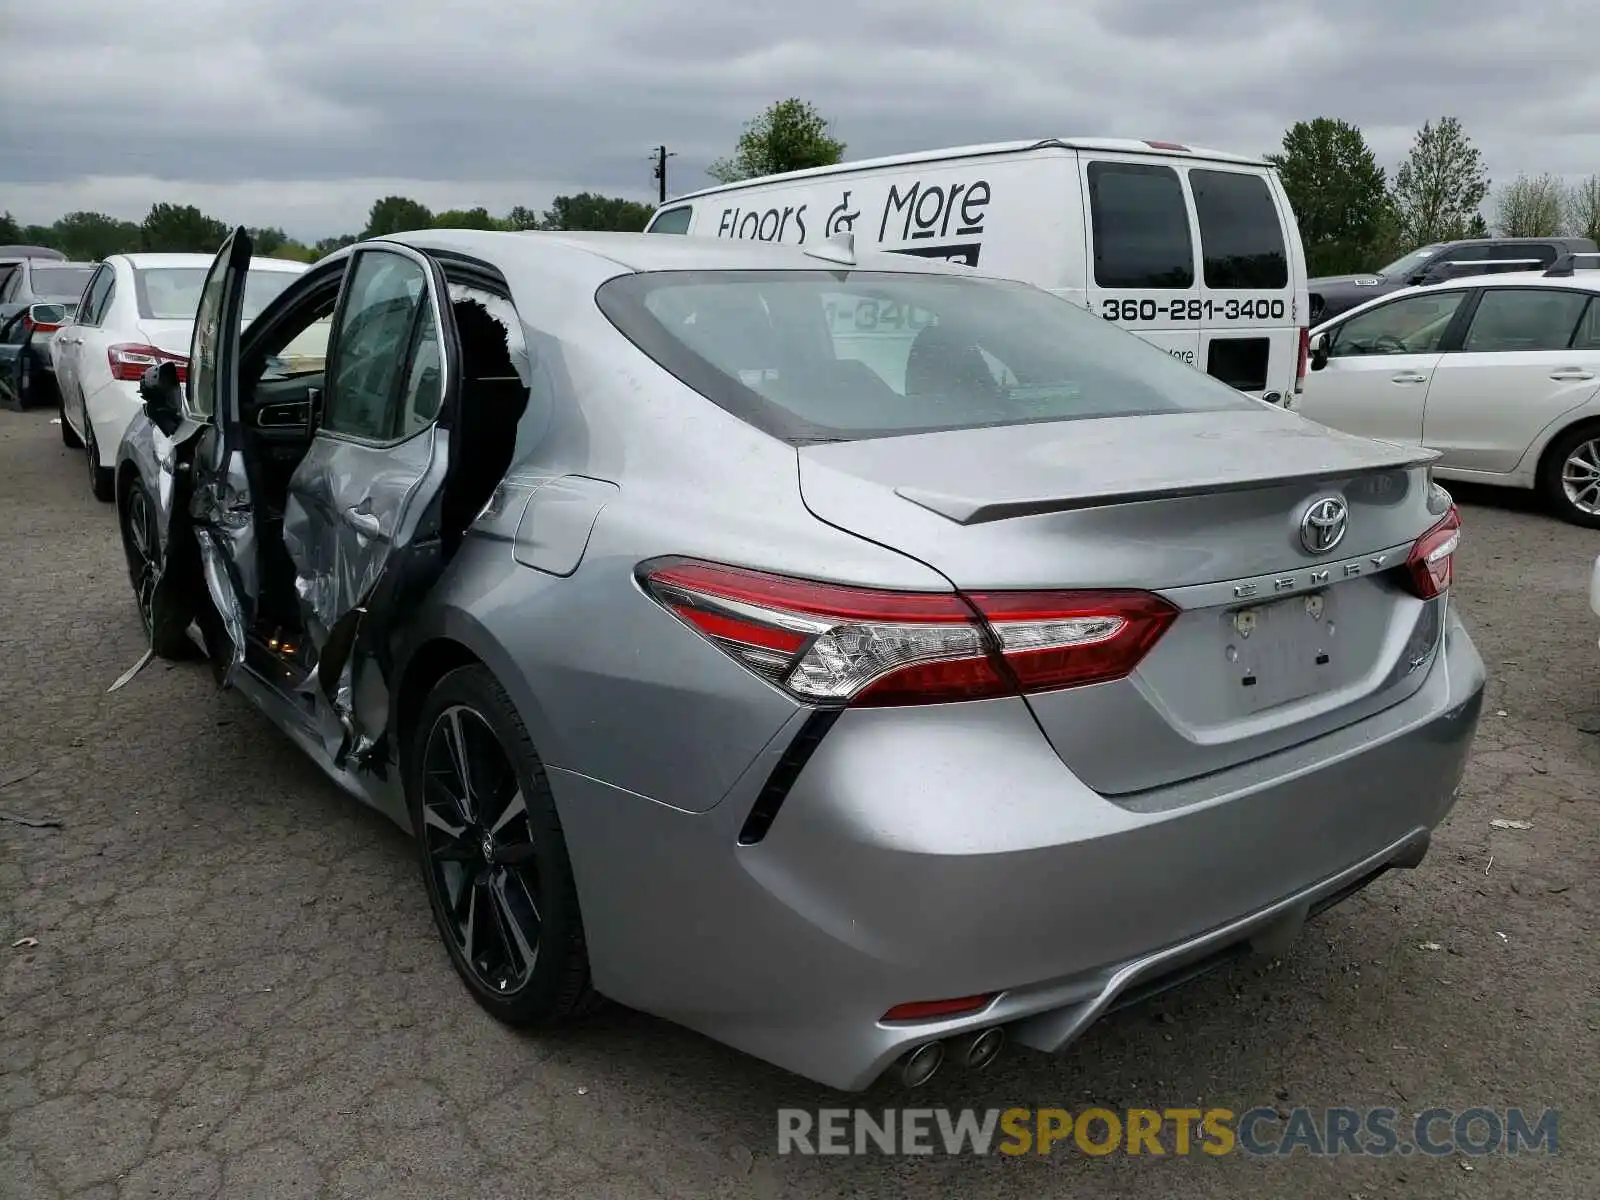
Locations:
{"points": [[300, 113]]}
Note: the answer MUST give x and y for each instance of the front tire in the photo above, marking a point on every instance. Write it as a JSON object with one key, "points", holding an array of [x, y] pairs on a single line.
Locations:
{"points": [[141, 544], [1570, 480], [493, 856]]}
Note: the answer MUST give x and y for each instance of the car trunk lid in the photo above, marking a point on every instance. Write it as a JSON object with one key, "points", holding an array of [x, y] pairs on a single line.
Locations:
{"points": [[1275, 643]]}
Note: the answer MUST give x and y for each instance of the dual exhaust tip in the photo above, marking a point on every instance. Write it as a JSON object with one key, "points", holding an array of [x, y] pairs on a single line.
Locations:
{"points": [[973, 1051]]}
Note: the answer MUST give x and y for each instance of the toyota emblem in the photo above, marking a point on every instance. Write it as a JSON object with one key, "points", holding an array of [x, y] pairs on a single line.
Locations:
{"points": [[1324, 525]]}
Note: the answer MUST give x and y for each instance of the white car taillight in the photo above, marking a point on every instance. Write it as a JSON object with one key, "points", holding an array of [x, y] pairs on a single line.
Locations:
{"points": [[831, 644], [130, 360]]}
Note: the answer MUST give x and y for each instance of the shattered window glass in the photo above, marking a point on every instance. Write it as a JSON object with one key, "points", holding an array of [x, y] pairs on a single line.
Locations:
{"points": [[371, 342]]}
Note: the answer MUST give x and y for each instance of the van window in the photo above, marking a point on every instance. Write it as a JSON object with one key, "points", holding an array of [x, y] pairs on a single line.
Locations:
{"points": [[1141, 227], [1241, 240], [674, 220]]}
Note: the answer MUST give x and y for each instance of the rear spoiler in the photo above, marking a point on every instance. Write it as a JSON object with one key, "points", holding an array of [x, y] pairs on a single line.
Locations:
{"points": [[980, 510], [1569, 262]]}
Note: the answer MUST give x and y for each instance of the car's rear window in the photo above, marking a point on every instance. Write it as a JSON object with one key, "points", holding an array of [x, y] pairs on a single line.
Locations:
{"points": [[173, 293], [1241, 240], [826, 356], [59, 283]]}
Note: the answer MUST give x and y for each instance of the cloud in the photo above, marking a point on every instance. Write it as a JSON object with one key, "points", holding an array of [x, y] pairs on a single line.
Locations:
{"points": [[301, 113]]}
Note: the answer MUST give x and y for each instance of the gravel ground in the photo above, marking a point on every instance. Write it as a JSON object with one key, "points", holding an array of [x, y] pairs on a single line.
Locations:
{"points": [[237, 991]]}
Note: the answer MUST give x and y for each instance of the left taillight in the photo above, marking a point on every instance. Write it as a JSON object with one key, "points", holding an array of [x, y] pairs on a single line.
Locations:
{"points": [[130, 360], [1430, 567], [1305, 356], [832, 644]]}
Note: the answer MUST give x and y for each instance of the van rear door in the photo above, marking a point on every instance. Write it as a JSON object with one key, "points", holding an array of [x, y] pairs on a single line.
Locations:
{"points": [[1249, 326], [1142, 250]]}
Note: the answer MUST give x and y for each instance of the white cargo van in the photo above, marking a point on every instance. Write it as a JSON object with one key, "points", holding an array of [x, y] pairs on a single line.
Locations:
{"points": [[1193, 250]]}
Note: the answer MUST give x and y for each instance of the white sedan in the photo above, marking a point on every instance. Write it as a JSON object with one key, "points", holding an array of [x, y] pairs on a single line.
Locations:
{"points": [[136, 310], [1499, 373]]}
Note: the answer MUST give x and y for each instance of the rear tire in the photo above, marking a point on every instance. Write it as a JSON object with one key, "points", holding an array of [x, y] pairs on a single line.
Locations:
{"points": [[1569, 479], [493, 857], [141, 544], [102, 480], [69, 439]]}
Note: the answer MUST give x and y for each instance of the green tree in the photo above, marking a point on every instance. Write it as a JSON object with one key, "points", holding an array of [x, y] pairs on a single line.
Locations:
{"points": [[182, 228], [466, 218], [523, 218], [268, 241], [90, 236], [589, 210], [328, 245], [1531, 207], [397, 214], [1477, 227], [10, 231], [789, 136], [1440, 186], [1338, 193], [1583, 208]]}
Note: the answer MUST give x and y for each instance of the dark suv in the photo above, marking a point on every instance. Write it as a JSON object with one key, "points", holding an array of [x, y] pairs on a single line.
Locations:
{"points": [[1334, 294]]}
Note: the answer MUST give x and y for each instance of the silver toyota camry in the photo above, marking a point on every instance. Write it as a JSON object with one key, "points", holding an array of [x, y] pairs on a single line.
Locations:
{"points": [[854, 658]]}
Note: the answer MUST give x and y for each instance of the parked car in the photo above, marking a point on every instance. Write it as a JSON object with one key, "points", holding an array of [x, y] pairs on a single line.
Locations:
{"points": [[1197, 251], [11, 257], [851, 695], [1499, 373], [36, 281], [1333, 295], [137, 310], [38, 322]]}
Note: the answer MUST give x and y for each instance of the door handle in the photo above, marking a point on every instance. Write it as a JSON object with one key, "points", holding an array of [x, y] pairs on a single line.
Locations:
{"points": [[1409, 377], [1571, 375], [364, 523]]}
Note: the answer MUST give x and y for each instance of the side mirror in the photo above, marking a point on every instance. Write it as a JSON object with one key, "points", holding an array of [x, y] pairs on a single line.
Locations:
{"points": [[1319, 351], [163, 397], [46, 317]]}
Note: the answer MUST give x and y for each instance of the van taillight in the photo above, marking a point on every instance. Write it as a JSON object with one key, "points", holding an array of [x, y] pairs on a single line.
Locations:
{"points": [[1305, 356]]}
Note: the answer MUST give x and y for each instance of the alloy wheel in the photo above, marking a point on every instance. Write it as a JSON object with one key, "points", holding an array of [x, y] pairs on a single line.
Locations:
{"points": [[1580, 477], [142, 545], [91, 452], [479, 850]]}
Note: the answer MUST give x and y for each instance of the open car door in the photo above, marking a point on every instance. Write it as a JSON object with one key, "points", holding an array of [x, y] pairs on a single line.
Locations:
{"points": [[361, 523], [202, 494]]}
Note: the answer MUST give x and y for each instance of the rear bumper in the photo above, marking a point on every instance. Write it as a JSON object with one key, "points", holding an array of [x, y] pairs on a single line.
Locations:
{"points": [[111, 409], [945, 852]]}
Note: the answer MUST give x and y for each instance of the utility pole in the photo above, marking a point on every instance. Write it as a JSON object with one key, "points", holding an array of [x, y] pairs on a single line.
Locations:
{"points": [[661, 157]]}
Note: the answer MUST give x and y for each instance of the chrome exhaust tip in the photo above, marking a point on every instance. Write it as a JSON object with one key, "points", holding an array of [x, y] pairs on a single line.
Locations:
{"points": [[978, 1050], [922, 1064]]}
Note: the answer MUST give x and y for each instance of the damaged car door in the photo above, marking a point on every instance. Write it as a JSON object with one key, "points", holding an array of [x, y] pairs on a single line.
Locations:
{"points": [[203, 493], [364, 494]]}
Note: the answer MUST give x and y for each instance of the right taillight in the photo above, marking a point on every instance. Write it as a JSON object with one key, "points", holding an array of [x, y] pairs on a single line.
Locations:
{"points": [[1305, 356], [828, 643], [130, 360], [1431, 563]]}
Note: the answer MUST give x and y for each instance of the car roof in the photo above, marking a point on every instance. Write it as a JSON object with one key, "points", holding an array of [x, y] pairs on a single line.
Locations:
{"points": [[981, 149], [636, 252], [153, 261], [1584, 280]]}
